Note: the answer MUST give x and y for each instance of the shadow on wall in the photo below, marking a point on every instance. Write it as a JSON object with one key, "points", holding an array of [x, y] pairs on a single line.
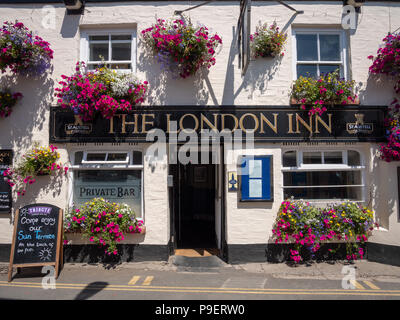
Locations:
{"points": [[259, 73], [28, 120], [376, 87], [168, 89]]}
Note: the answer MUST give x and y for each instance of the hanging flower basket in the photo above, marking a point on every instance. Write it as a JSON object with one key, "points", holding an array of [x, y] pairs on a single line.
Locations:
{"points": [[387, 60], [7, 101], [38, 161], [316, 95], [22, 52], [267, 41], [180, 46], [103, 91]]}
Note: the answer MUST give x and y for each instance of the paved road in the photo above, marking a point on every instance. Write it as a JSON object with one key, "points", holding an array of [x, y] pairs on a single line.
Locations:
{"points": [[77, 282]]}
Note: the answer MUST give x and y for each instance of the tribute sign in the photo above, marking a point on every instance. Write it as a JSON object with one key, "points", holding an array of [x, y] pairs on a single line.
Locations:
{"points": [[5, 189], [37, 239]]}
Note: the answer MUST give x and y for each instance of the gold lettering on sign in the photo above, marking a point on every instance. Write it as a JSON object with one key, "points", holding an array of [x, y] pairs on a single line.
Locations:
{"points": [[196, 121], [169, 124], [256, 122], [290, 122], [274, 126], [144, 122], [203, 119], [319, 120], [126, 123], [302, 121]]}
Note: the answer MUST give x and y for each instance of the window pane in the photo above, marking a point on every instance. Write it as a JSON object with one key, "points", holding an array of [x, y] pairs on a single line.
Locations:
{"points": [[116, 157], [307, 49], [289, 159], [333, 157], [120, 65], [312, 157], [328, 68], [96, 157], [321, 178], [121, 186], [98, 51], [137, 158], [307, 70], [329, 47], [121, 51], [336, 193], [78, 157], [353, 158], [97, 38], [121, 37]]}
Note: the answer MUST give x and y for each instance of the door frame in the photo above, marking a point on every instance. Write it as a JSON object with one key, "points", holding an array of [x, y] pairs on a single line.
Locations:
{"points": [[174, 203]]}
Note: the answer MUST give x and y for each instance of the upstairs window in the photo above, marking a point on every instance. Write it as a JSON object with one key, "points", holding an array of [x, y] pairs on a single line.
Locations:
{"points": [[319, 52], [117, 49]]}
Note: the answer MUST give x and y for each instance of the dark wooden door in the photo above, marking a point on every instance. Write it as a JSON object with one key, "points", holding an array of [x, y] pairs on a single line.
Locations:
{"points": [[195, 224]]}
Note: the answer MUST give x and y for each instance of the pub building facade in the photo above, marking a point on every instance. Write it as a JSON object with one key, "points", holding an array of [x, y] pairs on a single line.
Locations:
{"points": [[318, 158]]}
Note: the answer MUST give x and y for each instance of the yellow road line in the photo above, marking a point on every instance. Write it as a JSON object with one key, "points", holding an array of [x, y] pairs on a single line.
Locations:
{"points": [[133, 281], [211, 290], [371, 285], [151, 289], [357, 285], [147, 281], [78, 285]]}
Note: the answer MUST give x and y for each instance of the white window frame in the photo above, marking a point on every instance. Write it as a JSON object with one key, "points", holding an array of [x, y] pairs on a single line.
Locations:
{"points": [[85, 50], [343, 49], [300, 167], [106, 165]]}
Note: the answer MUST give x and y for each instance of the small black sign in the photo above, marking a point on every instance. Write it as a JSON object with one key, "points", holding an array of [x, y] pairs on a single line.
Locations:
{"points": [[5, 189]]}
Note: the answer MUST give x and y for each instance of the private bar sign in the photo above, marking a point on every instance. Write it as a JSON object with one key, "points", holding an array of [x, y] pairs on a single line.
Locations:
{"points": [[267, 123]]}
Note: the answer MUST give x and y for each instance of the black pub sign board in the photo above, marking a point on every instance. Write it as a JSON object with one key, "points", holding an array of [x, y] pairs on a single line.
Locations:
{"points": [[37, 238], [5, 189], [266, 123]]}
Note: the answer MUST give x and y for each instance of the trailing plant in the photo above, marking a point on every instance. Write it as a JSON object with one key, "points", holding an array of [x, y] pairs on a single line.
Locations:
{"points": [[22, 52], [387, 60], [103, 222], [38, 161], [7, 101], [103, 91], [317, 95], [180, 46], [308, 226], [267, 41]]}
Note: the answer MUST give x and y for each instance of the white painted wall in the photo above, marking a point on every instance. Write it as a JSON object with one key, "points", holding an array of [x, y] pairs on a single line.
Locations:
{"points": [[266, 83]]}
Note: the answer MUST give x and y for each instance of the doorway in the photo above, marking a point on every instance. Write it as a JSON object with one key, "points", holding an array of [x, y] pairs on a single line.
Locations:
{"points": [[195, 220]]}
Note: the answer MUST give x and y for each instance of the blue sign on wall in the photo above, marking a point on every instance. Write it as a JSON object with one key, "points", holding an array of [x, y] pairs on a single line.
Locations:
{"points": [[256, 183]]}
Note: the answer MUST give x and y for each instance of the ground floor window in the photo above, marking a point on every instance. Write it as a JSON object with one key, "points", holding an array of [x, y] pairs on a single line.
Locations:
{"points": [[115, 176], [323, 176]]}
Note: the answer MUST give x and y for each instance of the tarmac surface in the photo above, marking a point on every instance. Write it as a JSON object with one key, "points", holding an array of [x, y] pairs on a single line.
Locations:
{"points": [[206, 278]]}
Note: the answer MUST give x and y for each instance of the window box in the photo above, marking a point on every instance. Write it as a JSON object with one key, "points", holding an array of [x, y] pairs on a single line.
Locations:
{"points": [[356, 102], [76, 238]]}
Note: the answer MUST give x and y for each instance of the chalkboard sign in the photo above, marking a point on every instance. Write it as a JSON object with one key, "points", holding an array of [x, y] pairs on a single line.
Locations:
{"points": [[5, 189], [37, 237]]}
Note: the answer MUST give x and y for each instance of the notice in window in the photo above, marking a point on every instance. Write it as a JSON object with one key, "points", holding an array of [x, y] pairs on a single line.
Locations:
{"points": [[255, 169], [255, 188]]}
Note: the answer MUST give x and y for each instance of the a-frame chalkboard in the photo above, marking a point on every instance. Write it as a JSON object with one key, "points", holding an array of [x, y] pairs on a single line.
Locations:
{"points": [[37, 238]]}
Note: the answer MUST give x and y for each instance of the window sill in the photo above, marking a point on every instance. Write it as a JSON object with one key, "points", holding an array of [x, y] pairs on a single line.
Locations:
{"points": [[356, 102]]}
